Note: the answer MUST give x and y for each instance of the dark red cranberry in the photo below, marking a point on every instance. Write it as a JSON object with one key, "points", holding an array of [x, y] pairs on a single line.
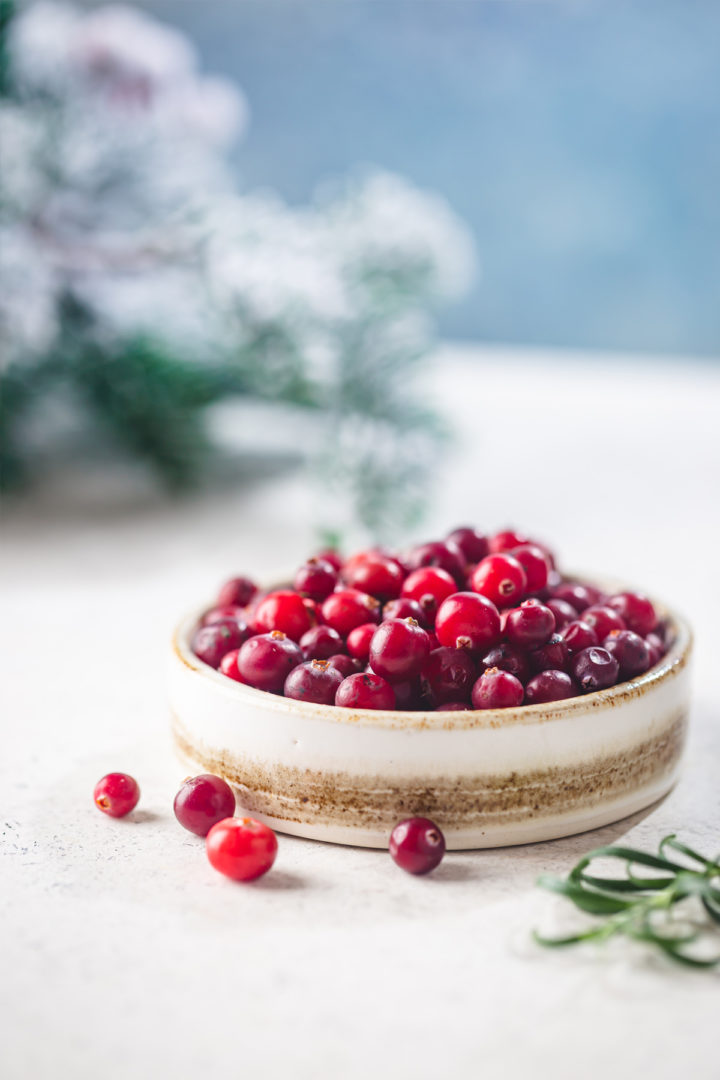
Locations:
{"points": [[345, 664], [564, 613], [447, 675], [283, 610], [365, 691], [316, 579], [331, 556], [510, 658], [228, 666], [553, 655], [534, 562], [501, 579], [116, 794], [445, 556], [549, 686], [636, 611], [399, 649], [468, 621], [266, 661], [602, 619], [358, 640], [595, 669], [237, 592], [428, 587], [348, 608], [496, 689], [631, 652], [320, 643], [453, 706], [529, 625], [210, 643], [314, 680], [202, 801], [404, 608], [473, 545], [578, 635], [229, 613], [409, 695], [655, 651], [417, 845], [580, 596], [506, 541], [375, 575]]}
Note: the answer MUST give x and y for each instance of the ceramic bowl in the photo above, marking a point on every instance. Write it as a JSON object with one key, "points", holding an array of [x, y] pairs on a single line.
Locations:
{"points": [[489, 778]]}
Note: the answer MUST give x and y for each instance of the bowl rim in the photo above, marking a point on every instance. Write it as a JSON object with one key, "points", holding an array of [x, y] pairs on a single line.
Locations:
{"points": [[670, 665]]}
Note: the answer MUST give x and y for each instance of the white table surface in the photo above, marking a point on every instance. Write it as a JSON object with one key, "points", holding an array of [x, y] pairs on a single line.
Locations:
{"points": [[125, 955]]}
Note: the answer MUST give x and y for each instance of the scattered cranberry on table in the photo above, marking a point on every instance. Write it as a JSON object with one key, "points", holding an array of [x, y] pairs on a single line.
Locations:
{"points": [[241, 848], [417, 845], [428, 624], [202, 801], [116, 794]]}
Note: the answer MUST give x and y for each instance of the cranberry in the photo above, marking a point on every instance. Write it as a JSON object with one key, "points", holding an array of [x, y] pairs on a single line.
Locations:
{"points": [[316, 579], [553, 655], [399, 649], [266, 661], [348, 608], [210, 643], [116, 794], [636, 611], [409, 695], [315, 680], [445, 556], [630, 650], [238, 592], [473, 545], [344, 664], [202, 801], [501, 578], [358, 640], [602, 619], [429, 586], [580, 596], [496, 689], [365, 691], [529, 625], [595, 669], [535, 563], [241, 848], [417, 845], [453, 706], [229, 613], [332, 556], [468, 621], [563, 612], [506, 541], [283, 610], [447, 675], [549, 686], [655, 651], [578, 635], [404, 608], [320, 643], [508, 657], [229, 666], [375, 575]]}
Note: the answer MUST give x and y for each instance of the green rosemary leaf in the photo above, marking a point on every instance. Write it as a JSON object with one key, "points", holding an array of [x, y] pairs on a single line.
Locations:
{"points": [[595, 934], [671, 841], [712, 908], [642, 858], [593, 902], [628, 884]]}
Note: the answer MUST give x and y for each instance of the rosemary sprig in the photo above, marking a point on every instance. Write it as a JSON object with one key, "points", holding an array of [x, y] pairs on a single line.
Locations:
{"points": [[643, 908]]}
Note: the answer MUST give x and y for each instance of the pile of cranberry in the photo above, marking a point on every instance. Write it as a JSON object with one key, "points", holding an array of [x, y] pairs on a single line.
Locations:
{"points": [[467, 622]]}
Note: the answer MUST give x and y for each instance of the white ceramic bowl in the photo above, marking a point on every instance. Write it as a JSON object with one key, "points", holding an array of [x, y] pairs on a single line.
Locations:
{"points": [[488, 779]]}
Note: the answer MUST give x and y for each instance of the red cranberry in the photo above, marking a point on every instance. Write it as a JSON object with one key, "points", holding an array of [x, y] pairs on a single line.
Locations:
{"points": [[636, 612], [417, 845], [210, 643], [403, 608], [564, 613], [429, 586], [631, 652], [447, 675], [348, 608], [473, 545], [409, 695], [656, 647], [202, 801], [116, 794], [496, 689], [535, 563], [553, 655], [399, 649], [266, 661], [358, 640], [453, 706], [229, 613], [529, 625], [375, 575], [510, 658], [241, 848], [444, 556], [345, 664], [595, 669], [549, 686], [316, 579], [315, 680], [320, 643], [602, 619], [238, 592], [578, 635], [501, 578], [228, 666], [580, 596], [506, 541], [331, 556], [365, 691], [283, 610], [468, 621]]}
